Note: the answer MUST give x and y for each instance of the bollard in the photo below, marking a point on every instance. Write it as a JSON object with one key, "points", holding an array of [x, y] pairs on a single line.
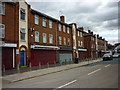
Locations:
{"points": [[3, 69], [30, 66], [18, 68], [48, 64], [55, 63], [39, 65], [65, 62], [61, 63]]}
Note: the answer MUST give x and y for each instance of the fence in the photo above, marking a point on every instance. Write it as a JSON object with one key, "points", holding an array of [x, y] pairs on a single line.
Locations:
{"points": [[30, 68]]}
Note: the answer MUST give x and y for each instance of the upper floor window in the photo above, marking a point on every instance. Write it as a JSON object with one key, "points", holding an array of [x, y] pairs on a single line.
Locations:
{"points": [[80, 34], [92, 38], [22, 34], [50, 38], [68, 30], [50, 24], [68, 41], [64, 41], [64, 30], [44, 38], [60, 40], [22, 14], [60, 28], [36, 19], [2, 31], [79, 43], [44, 22], [36, 36], [2, 8]]}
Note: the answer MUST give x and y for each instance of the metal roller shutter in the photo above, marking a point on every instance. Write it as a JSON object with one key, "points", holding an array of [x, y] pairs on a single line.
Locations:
{"points": [[65, 56]]}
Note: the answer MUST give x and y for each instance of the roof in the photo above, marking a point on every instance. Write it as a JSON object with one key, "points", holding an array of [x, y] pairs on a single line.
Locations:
{"points": [[49, 17], [12, 3], [88, 34]]}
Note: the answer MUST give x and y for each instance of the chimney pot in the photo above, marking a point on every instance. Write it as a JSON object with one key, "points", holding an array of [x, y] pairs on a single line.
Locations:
{"points": [[89, 31], [62, 18]]}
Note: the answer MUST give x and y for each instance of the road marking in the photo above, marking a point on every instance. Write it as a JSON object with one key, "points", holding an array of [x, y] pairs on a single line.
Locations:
{"points": [[94, 71], [67, 84], [107, 65]]}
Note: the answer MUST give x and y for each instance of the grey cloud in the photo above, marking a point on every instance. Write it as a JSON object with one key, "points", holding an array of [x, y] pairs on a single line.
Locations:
{"points": [[111, 24], [87, 14]]}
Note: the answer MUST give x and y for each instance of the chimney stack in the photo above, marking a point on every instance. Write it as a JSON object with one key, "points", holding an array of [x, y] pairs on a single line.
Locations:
{"points": [[81, 28], [89, 31], [92, 33], [97, 36], [62, 18]]}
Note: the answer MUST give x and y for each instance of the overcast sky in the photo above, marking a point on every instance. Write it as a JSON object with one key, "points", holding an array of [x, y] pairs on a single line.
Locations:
{"points": [[100, 16]]}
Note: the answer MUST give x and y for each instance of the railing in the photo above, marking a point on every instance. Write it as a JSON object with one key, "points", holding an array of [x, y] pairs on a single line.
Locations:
{"points": [[30, 68]]}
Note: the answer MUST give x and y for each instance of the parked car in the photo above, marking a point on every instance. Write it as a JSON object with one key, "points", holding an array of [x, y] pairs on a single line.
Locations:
{"points": [[116, 55], [107, 56]]}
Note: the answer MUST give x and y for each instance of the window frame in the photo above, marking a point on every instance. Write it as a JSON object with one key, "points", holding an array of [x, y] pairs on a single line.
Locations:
{"points": [[81, 34], [68, 41], [44, 22], [64, 29], [68, 30], [2, 5], [44, 38], [2, 30], [79, 43], [60, 40], [51, 38], [37, 36], [23, 13], [24, 33], [64, 40], [60, 27], [36, 19], [50, 24], [78, 33]]}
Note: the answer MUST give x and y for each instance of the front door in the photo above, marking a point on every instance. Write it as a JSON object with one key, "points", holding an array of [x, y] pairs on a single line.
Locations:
{"points": [[22, 58]]}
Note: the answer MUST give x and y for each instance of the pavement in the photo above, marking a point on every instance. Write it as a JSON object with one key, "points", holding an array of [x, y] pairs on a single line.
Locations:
{"points": [[41, 72], [101, 75]]}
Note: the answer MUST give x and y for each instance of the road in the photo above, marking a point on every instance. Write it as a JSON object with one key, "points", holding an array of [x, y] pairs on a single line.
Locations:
{"points": [[98, 75]]}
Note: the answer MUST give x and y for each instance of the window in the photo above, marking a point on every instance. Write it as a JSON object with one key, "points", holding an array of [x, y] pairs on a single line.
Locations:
{"points": [[50, 24], [2, 8], [22, 14], [68, 41], [36, 19], [80, 34], [22, 34], [60, 40], [68, 30], [92, 38], [64, 41], [44, 22], [64, 29], [78, 43], [36, 36], [81, 43], [2, 31], [50, 38], [44, 37], [60, 29]]}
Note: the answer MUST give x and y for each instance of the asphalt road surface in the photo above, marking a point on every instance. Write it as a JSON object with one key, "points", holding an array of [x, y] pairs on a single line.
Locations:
{"points": [[98, 75]]}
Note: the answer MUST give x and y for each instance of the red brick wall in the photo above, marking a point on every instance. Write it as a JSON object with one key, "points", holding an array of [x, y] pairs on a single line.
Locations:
{"points": [[41, 30], [64, 34], [9, 20]]}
